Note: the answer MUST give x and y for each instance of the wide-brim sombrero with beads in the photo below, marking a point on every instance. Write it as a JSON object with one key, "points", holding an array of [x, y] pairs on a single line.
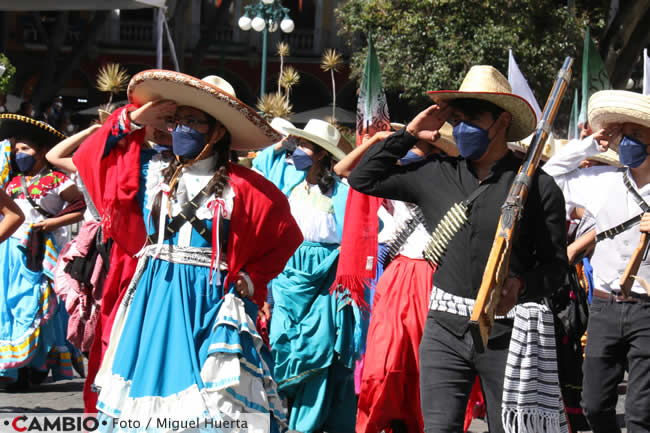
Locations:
{"points": [[213, 95], [488, 84], [38, 133], [609, 107]]}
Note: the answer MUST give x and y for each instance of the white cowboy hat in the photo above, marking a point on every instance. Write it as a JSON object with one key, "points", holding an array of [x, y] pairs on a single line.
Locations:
{"points": [[322, 134], [488, 84], [214, 95], [618, 106], [280, 125]]}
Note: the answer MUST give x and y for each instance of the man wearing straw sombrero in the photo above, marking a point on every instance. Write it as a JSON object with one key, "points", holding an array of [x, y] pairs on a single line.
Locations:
{"points": [[209, 236], [485, 114], [619, 324]]}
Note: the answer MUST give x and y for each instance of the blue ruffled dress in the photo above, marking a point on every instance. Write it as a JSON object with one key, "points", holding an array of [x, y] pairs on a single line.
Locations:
{"points": [[181, 345]]}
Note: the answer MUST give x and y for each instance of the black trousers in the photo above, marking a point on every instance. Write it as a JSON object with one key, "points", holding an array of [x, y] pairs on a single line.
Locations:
{"points": [[448, 368], [618, 334]]}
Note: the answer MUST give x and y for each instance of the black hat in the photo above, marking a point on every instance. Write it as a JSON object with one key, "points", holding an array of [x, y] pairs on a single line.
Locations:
{"points": [[40, 134]]}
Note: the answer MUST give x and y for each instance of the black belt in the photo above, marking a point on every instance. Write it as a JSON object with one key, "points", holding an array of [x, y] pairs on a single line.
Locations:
{"points": [[617, 296]]}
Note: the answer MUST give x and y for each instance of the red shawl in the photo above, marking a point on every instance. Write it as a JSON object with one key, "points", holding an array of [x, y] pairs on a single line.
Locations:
{"points": [[358, 259], [263, 234], [112, 182]]}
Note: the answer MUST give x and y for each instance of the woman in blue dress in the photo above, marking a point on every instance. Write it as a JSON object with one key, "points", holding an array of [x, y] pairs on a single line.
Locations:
{"points": [[312, 332], [32, 319], [184, 344]]}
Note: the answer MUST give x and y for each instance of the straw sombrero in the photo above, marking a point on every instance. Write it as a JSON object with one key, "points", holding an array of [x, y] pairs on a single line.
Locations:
{"points": [[213, 95], [551, 147], [488, 84], [322, 134], [618, 106], [39, 133], [609, 157]]}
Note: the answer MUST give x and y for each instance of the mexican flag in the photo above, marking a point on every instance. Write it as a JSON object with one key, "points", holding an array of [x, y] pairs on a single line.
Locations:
{"points": [[358, 258], [594, 75], [372, 109]]}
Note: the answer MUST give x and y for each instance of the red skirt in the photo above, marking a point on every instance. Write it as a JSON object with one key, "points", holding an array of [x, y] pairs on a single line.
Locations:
{"points": [[390, 384]]}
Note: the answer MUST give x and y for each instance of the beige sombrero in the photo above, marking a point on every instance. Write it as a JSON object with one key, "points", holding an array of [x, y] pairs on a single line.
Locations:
{"points": [[213, 95], [618, 106], [322, 134], [446, 142], [488, 84], [39, 133], [551, 147]]}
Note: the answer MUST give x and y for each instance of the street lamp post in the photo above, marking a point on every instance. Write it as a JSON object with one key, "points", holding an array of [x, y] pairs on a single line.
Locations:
{"points": [[267, 15]]}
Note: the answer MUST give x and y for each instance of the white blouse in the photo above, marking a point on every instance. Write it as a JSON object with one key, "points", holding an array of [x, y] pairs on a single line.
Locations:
{"points": [[314, 213]]}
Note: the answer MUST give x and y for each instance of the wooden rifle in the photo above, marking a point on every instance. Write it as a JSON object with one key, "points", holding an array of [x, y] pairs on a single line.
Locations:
{"points": [[498, 264], [633, 266]]}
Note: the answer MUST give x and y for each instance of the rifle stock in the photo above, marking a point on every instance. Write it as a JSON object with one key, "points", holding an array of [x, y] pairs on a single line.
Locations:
{"points": [[633, 265], [498, 264]]}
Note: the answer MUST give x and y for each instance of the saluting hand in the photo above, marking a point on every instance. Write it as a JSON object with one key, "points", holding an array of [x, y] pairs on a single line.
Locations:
{"points": [[426, 124], [607, 137], [155, 113]]}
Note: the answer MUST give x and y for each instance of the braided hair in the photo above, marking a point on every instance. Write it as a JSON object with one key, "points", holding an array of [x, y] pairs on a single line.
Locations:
{"points": [[220, 179]]}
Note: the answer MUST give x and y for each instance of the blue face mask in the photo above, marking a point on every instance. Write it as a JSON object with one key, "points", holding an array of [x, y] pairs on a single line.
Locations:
{"points": [[187, 142], [631, 152], [410, 158], [472, 141], [301, 160], [25, 162]]}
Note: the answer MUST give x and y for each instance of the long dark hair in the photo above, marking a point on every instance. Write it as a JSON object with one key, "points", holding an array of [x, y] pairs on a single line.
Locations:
{"points": [[326, 179], [220, 179]]}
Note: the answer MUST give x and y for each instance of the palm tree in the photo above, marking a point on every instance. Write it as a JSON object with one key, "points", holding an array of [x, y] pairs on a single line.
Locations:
{"points": [[331, 62], [283, 51], [112, 78], [289, 78]]}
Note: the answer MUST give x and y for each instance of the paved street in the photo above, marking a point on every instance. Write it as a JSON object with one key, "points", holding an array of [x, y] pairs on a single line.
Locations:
{"points": [[66, 397]]}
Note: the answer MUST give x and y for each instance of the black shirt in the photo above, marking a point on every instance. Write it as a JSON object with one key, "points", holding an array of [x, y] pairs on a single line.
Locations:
{"points": [[539, 251]]}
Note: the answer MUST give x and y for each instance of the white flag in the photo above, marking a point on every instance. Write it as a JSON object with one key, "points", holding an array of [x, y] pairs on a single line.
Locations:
{"points": [[520, 85], [646, 72]]}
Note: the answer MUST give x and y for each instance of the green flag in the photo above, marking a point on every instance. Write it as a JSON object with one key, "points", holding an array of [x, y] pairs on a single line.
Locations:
{"points": [[574, 131], [594, 75]]}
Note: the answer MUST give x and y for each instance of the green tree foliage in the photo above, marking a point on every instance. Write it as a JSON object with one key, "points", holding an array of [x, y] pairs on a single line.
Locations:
{"points": [[431, 44], [6, 80]]}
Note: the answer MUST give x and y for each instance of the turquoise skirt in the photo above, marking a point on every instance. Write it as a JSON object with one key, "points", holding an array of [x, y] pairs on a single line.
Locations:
{"points": [[312, 341]]}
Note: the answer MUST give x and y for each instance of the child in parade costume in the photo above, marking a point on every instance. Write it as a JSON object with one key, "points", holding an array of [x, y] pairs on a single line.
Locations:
{"points": [[33, 333], [400, 305], [618, 331], [212, 235], [84, 262], [312, 331], [484, 114]]}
